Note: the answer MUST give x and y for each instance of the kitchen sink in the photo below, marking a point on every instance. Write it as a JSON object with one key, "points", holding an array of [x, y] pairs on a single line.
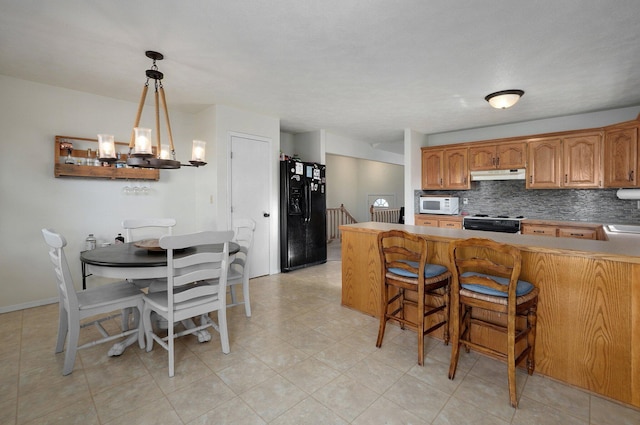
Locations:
{"points": [[623, 228]]}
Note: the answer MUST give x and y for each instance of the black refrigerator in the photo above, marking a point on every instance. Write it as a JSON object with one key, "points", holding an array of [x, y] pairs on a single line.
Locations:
{"points": [[303, 215]]}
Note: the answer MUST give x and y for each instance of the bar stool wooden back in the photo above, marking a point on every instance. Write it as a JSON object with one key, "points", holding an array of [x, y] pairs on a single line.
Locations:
{"points": [[486, 276], [412, 289]]}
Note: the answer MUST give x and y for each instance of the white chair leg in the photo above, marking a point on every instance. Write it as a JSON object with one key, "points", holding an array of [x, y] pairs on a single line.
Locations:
{"points": [[245, 294], [140, 325], [63, 328], [224, 333], [146, 325], [171, 341], [232, 290], [72, 347]]}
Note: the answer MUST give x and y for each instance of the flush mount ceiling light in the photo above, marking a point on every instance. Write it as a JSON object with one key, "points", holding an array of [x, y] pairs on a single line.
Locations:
{"points": [[504, 99], [141, 153]]}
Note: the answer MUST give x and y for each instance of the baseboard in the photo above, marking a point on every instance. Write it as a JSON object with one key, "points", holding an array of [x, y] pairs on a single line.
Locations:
{"points": [[31, 304]]}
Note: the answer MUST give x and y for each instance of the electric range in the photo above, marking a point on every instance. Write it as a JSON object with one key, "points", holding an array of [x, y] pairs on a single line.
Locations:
{"points": [[498, 223]]}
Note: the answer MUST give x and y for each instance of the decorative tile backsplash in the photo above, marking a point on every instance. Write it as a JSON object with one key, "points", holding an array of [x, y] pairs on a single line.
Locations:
{"points": [[510, 197]]}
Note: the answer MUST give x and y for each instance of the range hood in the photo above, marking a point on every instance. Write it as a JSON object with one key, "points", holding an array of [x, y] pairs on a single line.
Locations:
{"points": [[513, 174]]}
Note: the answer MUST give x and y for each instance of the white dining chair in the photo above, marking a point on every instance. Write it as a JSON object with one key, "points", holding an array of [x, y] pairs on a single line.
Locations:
{"points": [[75, 307], [186, 297], [136, 229], [244, 229]]}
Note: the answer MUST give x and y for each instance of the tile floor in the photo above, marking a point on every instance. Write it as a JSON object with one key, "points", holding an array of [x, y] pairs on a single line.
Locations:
{"points": [[301, 359]]}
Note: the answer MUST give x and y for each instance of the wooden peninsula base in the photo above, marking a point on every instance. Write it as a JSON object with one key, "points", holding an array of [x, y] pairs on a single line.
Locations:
{"points": [[588, 329]]}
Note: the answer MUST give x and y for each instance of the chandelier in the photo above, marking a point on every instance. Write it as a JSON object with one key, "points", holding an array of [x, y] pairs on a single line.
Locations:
{"points": [[141, 152]]}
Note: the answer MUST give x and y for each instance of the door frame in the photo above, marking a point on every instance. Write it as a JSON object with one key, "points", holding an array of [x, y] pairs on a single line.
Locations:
{"points": [[273, 203]]}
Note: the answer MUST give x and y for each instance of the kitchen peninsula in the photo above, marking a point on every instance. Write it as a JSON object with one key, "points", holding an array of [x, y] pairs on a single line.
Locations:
{"points": [[588, 329]]}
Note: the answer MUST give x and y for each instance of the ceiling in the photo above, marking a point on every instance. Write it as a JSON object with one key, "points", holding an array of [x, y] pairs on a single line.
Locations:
{"points": [[365, 69]]}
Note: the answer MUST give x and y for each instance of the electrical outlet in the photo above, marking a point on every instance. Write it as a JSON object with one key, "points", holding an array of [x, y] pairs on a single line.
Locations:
{"points": [[465, 201]]}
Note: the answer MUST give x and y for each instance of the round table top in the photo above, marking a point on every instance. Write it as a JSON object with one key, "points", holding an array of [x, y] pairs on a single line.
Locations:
{"points": [[128, 255]]}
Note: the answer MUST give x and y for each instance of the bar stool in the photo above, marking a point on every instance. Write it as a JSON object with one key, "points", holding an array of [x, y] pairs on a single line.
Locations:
{"points": [[404, 269], [486, 276]]}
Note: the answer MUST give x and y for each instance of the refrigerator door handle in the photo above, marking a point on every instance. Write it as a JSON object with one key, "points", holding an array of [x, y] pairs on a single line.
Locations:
{"points": [[307, 189]]}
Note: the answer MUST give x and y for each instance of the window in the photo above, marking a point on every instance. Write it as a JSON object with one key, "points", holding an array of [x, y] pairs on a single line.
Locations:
{"points": [[381, 203]]}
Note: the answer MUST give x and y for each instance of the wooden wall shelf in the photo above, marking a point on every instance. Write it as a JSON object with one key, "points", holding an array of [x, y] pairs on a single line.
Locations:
{"points": [[85, 151]]}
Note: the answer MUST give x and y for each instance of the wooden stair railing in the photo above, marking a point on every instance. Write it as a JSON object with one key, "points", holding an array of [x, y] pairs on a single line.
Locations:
{"points": [[385, 215], [336, 217]]}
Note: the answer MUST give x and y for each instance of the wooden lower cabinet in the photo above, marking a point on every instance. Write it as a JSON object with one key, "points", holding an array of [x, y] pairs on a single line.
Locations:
{"points": [[577, 232], [438, 221], [563, 231], [588, 327], [539, 230]]}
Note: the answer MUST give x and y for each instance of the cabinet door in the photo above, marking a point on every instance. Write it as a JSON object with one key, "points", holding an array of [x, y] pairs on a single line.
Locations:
{"points": [[544, 164], [432, 168], [482, 157], [581, 165], [456, 168], [621, 158], [511, 155]]}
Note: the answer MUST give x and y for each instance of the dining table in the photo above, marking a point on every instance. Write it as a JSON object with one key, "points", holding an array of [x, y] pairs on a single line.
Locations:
{"points": [[139, 260]]}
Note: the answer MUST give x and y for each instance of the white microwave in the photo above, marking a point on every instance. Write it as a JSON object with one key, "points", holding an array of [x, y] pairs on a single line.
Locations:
{"points": [[439, 205]]}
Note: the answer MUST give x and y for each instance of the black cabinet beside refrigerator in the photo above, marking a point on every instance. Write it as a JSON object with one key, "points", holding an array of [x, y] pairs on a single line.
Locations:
{"points": [[303, 215]]}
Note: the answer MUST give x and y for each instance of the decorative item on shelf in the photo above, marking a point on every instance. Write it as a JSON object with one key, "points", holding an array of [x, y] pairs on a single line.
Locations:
{"points": [[119, 239], [141, 153], [69, 147], [504, 99]]}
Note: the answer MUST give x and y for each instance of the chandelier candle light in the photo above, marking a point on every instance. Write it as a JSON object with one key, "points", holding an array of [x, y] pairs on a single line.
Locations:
{"points": [[141, 153]]}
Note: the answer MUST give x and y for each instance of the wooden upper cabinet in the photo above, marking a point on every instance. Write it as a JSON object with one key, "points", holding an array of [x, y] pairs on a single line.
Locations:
{"points": [[456, 169], [621, 157], [572, 161], [544, 167], [581, 161], [445, 168], [502, 156], [432, 168]]}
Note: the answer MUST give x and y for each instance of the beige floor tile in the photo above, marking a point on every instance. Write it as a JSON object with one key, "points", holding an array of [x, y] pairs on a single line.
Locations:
{"points": [[340, 356], [436, 374], [280, 357], [488, 396], [8, 410], [155, 412], [232, 412], [604, 412], [457, 412], [104, 372], [531, 412], [311, 341], [374, 375], [121, 399], [188, 369], [346, 396], [78, 413], [442, 353], [246, 373], [309, 412], [385, 412], [273, 397], [560, 396], [396, 356], [310, 374], [496, 371], [200, 397], [417, 397]]}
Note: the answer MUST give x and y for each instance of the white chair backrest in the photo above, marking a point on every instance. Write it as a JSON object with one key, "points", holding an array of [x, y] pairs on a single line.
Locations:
{"points": [[243, 228], [148, 228], [64, 283], [196, 267]]}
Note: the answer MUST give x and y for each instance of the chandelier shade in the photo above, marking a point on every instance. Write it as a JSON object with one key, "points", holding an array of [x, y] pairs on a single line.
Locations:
{"points": [[141, 147]]}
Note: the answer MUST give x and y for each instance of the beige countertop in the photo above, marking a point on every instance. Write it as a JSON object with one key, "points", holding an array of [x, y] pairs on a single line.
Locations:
{"points": [[620, 246]]}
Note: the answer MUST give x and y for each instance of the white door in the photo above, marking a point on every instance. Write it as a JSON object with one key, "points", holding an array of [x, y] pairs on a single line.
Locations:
{"points": [[250, 195]]}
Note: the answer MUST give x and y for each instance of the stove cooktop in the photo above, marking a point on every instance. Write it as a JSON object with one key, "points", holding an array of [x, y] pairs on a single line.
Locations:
{"points": [[495, 217]]}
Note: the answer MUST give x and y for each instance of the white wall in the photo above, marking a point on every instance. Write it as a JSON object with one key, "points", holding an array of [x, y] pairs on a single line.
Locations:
{"points": [[351, 180], [413, 141], [31, 198], [230, 120], [345, 146]]}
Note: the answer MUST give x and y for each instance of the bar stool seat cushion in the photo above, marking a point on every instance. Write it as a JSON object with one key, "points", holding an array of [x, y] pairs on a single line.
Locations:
{"points": [[430, 270], [523, 287]]}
